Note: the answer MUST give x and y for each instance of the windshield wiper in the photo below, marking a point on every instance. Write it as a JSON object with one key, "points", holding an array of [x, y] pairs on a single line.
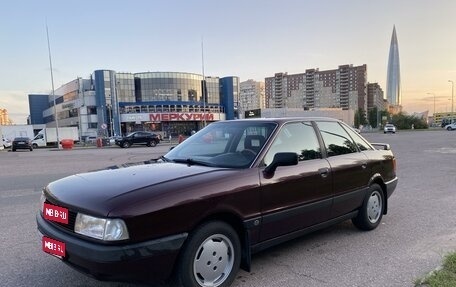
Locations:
{"points": [[165, 159], [191, 161]]}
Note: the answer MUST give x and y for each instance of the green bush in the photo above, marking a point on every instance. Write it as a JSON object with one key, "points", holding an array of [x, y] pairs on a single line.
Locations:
{"points": [[404, 122]]}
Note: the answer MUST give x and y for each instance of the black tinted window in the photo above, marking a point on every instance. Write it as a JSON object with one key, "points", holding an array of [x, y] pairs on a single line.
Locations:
{"points": [[336, 139], [360, 142], [295, 137]]}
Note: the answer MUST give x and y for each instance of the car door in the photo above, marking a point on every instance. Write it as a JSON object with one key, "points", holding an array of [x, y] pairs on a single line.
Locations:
{"points": [[298, 196], [138, 137], [349, 168]]}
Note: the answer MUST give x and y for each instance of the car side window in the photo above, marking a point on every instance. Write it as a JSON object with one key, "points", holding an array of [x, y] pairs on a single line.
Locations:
{"points": [[337, 141], [295, 137], [360, 142]]}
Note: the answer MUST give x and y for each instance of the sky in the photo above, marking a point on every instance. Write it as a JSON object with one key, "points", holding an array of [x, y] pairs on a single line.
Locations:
{"points": [[251, 39]]}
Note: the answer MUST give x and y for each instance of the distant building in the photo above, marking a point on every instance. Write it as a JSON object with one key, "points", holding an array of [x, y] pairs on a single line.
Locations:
{"points": [[346, 116], [4, 119], [344, 88], [110, 103], [445, 117], [393, 82], [38, 103], [375, 97], [251, 95]]}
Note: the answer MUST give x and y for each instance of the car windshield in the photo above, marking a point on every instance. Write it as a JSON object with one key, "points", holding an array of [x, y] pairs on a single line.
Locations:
{"points": [[230, 144]]}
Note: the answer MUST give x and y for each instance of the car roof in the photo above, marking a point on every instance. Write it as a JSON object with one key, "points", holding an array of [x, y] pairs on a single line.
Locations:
{"points": [[283, 120]]}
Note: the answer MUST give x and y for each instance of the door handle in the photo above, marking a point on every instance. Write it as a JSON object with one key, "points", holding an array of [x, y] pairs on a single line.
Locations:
{"points": [[364, 166], [324, 172]]}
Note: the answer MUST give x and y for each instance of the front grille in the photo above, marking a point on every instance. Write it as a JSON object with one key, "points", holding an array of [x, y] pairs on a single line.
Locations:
{"points": [[71, 218]]}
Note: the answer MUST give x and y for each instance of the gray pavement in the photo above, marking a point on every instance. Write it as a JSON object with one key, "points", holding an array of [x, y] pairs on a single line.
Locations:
{"points": [[418, 231]]}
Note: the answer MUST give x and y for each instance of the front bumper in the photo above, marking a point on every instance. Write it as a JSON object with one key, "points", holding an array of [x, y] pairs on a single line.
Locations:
{"points": [[148, 261]]}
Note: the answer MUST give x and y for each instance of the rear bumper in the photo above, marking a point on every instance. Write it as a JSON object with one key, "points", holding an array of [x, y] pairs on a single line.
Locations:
{"points": [[391, 186], [149, 261]]}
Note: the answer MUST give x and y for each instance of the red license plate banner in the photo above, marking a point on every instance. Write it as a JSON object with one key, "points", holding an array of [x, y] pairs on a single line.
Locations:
{"points": [[53, 247], [55, 213]]}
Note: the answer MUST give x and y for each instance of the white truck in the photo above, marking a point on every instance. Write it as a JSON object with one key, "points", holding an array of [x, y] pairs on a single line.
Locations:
{"points": [[9, 132], [48, 136]]}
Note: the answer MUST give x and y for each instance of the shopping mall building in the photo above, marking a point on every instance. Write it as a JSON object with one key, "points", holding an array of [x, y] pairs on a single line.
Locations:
{"points": [[110, 103]]}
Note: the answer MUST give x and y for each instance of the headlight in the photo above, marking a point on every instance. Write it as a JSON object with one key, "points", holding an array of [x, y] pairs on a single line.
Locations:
{"points": [[101, 228], [42, 200]]}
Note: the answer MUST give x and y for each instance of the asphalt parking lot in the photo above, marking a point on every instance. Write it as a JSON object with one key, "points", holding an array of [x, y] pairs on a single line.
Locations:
{"points": [[419, 229]]}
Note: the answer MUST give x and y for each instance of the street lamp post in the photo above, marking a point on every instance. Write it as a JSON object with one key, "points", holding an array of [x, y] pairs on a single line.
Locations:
{"points": [[452, 99], [434, 102]]}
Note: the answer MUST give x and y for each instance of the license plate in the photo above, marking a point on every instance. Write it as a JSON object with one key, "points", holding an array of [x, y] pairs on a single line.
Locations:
{"points": [[53, 247], [55, 213]]}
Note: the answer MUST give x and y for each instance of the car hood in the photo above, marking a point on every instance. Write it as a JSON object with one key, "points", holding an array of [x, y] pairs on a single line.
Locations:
{"points": [[99, 192]]}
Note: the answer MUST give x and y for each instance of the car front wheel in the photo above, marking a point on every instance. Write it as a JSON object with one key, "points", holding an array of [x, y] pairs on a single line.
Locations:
{"points": [[449, 128], [126, 145], [211, 256], [371, 212], [153, 143]]}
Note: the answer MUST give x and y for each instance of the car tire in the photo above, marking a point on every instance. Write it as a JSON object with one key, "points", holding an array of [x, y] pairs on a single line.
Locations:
{"points": [[371, 212], [13, 149], [35, 146], [153, 143], [126, 144], [449, 128], [211, 256]]}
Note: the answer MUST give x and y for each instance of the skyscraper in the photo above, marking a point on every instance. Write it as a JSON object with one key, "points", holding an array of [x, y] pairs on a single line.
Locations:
{"points": [[393, 81]]}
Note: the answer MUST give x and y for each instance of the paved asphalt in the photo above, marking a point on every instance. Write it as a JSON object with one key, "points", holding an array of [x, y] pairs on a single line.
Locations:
{"points": [[419, 229]]}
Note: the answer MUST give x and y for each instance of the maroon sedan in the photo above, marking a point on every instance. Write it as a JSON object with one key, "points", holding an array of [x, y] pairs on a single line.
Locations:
{"points": [[232, 189]]}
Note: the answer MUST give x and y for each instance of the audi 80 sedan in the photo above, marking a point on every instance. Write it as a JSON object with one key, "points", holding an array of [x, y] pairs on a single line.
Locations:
{"points": [[198, 213]]}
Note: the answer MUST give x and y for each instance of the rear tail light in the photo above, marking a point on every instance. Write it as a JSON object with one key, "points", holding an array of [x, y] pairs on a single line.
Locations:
{"points": [[394, 164]]}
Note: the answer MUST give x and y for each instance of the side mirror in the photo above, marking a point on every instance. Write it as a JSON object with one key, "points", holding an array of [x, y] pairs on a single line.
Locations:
{"points": [[281, 159]]}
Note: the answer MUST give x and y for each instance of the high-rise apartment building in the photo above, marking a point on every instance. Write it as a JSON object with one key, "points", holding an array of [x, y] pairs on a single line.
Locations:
{"points": [[393, 81], [375, 96], [4, 119], [345, 88], [251, 95]]}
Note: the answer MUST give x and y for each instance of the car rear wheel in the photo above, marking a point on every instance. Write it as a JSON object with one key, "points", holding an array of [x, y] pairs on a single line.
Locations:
{"points": [[126, 145], [211, 256], [371, 212]]}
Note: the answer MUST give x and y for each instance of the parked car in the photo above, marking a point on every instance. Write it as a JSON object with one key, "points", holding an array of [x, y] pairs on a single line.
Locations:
{"points": [[389, 128], [231, 190], [6, 143], [147, 138], [450, 127], [22, 143]]}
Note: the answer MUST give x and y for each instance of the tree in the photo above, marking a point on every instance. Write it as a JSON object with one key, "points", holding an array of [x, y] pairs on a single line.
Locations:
{"points": [[360, 118], [404, 122], [373, 117]]}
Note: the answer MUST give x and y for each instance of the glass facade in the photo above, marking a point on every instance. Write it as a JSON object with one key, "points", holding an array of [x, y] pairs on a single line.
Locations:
{"points": [[125, 84], [170, 86], [37, 105]]}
